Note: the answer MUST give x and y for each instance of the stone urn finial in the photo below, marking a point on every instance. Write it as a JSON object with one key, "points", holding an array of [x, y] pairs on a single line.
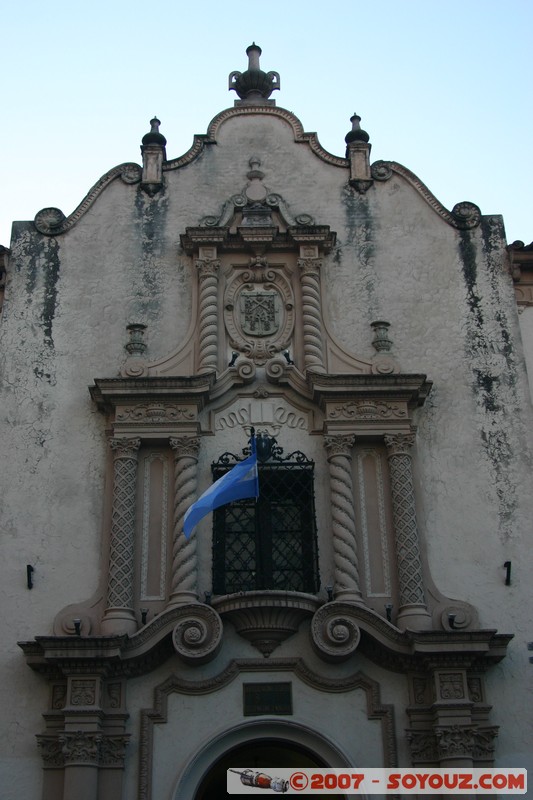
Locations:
{"points": [[254, 86]]}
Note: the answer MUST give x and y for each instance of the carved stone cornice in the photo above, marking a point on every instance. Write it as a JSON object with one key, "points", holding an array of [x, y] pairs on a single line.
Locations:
{"points": [[137, 654], [152, 407], [368, 402], [245, 237]]}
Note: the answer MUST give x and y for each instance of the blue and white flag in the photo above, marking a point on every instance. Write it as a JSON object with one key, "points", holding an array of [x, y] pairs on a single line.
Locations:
{"points": [[240, 482]]}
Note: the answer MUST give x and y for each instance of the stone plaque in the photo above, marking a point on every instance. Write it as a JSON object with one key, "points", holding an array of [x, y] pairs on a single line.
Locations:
{"points": [[267, 698]]}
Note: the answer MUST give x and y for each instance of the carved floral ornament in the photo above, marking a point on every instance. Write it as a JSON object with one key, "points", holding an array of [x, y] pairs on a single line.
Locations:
{"points": [[368, 409], [155, 412]]}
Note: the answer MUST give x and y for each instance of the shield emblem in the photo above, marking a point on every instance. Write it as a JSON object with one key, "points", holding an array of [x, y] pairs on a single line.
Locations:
{"points": [[260, 313]]}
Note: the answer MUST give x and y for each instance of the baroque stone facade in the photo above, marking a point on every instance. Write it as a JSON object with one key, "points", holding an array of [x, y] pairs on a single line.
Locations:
{"points": [[370, 338]]}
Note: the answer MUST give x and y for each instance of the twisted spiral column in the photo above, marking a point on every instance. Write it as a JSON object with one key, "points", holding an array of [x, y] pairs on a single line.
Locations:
{"points": [[311, 313], [184, 561], [339, 456], [119, 616], [413, 612], [208, 313]]}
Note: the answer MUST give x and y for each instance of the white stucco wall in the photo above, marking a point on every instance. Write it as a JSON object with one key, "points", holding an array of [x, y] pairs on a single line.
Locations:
{"points": [[453, 317]]}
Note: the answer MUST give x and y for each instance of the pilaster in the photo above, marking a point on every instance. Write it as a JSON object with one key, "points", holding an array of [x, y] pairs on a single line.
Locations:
{"points": [[119, 616], [413, 611]]}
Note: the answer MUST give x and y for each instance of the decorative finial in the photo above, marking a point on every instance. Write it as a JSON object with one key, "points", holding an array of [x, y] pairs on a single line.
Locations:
{"points": [[154, 137], [356, 134], [254, 86]]}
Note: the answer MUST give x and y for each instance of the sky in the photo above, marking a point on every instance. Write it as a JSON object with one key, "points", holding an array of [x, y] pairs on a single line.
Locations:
{"points": [[443, 88]]}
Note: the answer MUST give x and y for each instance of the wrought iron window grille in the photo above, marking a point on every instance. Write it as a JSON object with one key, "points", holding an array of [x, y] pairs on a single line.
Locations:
{"points": [[271, 543]]}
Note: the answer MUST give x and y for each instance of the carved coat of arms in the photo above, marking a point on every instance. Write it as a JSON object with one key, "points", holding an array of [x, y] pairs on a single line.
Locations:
{"points": [[259, 313]]}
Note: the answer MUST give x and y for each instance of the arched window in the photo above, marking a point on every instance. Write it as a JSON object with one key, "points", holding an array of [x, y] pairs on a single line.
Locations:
{"points": [[269, 543]]}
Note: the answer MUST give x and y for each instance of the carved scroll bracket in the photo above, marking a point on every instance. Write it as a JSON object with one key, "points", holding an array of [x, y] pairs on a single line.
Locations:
{"points": [[334, 632], [198, 633]]}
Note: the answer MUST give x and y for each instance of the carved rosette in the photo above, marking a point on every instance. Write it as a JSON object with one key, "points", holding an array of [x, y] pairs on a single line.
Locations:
{"points": [[121, 558], [184, 560], [198, 634], [339, 455], [208, 270], [334, 632], [311, 313], [405, 524]]}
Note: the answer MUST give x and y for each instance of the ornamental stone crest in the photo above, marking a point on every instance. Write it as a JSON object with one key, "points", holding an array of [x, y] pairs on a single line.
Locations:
{"points": [[260, 312]]}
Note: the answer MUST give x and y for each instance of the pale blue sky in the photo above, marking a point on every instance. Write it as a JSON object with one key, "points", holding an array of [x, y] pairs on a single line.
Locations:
{"points": [[444, 88]]}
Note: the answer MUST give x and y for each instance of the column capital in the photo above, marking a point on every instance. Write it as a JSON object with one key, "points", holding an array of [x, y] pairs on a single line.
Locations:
{"points": [[207, 267], [125, 448], [339, 445], [185, 446], [310, 266], [399, 443]]}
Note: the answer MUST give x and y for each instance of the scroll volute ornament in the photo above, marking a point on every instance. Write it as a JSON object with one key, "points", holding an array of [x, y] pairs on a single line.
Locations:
{"points": [[335, 633]]}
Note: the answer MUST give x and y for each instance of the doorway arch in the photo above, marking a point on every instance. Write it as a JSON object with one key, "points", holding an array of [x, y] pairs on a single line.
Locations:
{"points": [[261, 745]]}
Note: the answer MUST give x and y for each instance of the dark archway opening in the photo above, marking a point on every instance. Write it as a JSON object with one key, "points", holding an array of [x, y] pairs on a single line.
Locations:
{"points": [[263, 755]]}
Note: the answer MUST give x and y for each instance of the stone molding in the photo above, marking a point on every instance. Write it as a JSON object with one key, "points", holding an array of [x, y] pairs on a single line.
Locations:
{"points": [[158, 714], [123, 655], [463, 216], [52, 221]]}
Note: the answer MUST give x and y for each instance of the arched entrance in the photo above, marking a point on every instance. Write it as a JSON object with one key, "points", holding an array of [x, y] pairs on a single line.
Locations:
{"points": [[259, 744], [263, 755]]}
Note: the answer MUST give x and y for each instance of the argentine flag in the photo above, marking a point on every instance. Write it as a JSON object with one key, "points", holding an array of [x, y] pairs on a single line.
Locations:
{"points": [[241, 481]]}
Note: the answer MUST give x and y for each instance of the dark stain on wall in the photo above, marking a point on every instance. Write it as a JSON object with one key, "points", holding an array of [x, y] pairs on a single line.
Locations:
{"points": [[51, 267], [360, 243], [151, 217], [489, 352]]}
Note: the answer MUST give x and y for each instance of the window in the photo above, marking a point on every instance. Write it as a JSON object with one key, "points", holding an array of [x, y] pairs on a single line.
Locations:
{"points": [[271, 543]]}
